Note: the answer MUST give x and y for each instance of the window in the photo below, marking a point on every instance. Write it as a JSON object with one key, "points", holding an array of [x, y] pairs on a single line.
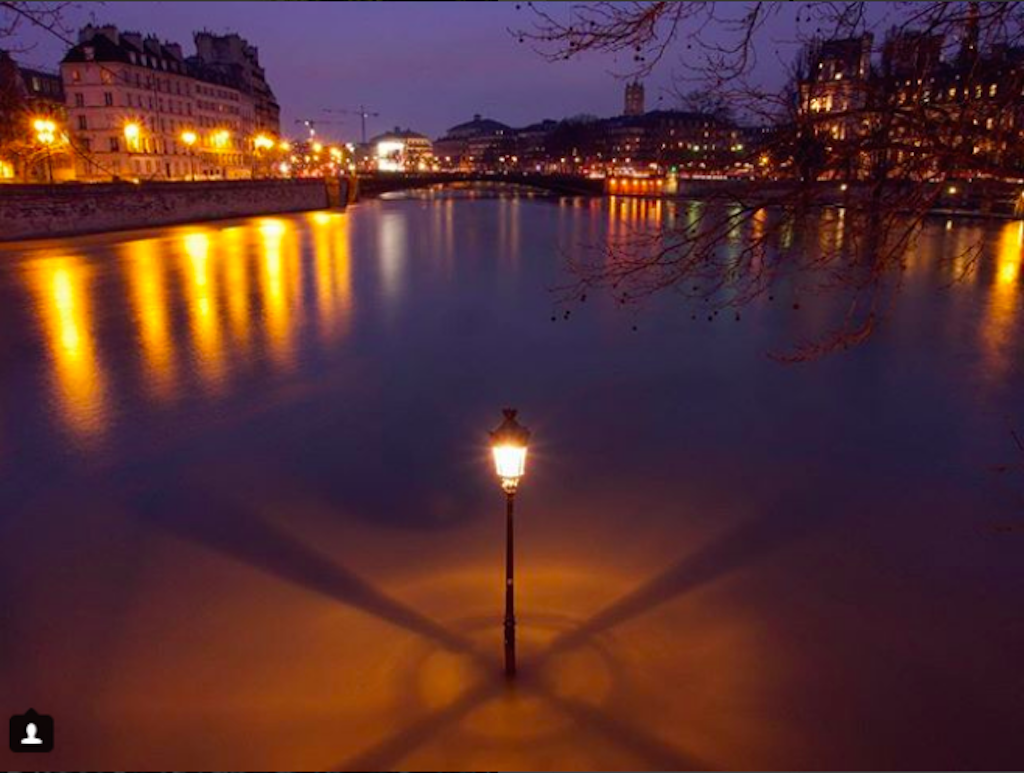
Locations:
{"points": [[76, 76], [115, 146], [108, 99], [993, 89], [106, 76], [79, 99], [82, 123], [86, 144]]}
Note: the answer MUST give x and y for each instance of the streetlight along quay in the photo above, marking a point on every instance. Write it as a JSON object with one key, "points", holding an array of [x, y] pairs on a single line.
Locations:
{"points": [[508, 447], [46, 135], [189, 139]]}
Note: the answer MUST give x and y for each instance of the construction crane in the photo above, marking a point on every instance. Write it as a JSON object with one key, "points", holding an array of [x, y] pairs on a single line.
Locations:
{"points": [[312, 123], [363, 114]]}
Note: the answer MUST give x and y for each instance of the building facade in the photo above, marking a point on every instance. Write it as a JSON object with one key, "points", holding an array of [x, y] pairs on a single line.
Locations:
{"points": [[28, 95], [237, 61], [476, 144], [139, 109], [926, 107], [402, 150]]}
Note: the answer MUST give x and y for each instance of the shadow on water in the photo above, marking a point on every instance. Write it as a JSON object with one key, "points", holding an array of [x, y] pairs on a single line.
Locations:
{"points": [[246, 537], [787, 521]]}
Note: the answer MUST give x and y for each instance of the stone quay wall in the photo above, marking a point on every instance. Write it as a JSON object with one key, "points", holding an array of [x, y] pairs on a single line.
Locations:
{"points": [[72, 209]]}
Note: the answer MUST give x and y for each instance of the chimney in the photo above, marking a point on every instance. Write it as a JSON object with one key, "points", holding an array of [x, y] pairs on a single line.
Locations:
{"points": [[174, 49], [132, 38], [89, 32]]}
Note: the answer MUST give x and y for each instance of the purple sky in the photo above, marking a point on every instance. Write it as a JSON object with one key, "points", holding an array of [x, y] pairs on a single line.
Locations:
{"points": [[423, 65]]}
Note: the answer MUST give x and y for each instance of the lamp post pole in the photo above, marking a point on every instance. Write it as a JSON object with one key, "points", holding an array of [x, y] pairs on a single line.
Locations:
{"points": [[510, 612], [508, 446]]}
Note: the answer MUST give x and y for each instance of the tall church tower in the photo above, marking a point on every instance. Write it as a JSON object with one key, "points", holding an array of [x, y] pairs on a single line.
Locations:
{"points": [[634, 98]]}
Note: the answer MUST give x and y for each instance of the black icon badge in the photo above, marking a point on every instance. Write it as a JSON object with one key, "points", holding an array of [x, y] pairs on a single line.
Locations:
{"points": [[31, 732]]}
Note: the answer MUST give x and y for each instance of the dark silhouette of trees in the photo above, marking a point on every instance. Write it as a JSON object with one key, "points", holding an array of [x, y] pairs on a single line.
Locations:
{"points": [[15, 15]]}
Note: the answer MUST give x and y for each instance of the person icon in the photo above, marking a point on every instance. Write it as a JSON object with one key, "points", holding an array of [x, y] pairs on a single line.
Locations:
{"points": [[30, 735]]}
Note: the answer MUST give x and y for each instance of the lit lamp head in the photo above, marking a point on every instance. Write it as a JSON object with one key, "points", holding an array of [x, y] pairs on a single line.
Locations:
{"points": [[46, 130], [263, 142], [189, 138], [132, 133], [508, 447]]}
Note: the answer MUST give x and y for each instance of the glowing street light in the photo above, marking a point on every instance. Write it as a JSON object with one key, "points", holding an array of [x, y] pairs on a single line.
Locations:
{"points": [[508, 448], [46, 135], [260, 143], [132, 133], [189, 138]]}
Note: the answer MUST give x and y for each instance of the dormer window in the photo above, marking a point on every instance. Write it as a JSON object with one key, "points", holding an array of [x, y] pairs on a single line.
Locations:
{"points": [[89, 52]]}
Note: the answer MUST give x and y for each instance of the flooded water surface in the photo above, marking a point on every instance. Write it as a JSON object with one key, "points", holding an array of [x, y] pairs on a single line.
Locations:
{"points": [[248, 519]]}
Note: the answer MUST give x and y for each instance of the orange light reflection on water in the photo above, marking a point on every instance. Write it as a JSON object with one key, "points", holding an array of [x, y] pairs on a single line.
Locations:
{"points": [[204, 317], [61, 286], [1003, 303], [148, 281]]}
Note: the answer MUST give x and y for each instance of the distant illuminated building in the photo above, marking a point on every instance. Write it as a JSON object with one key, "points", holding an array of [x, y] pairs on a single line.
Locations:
{"points": [[402, 150], [476, 144], [634, 99]]}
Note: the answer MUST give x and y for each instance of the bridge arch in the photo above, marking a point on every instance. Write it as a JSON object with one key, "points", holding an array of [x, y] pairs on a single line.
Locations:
{"points": [[561, 185]]}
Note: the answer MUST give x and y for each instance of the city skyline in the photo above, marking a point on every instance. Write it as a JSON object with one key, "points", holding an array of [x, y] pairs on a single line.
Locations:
{"points": [[427, 51]]}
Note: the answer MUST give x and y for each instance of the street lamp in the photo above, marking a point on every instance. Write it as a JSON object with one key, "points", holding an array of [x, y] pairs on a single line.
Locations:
{"points": [[508, 447], [132, 132], [260, 143], [189, 138], [132, 141], [46, 134]]}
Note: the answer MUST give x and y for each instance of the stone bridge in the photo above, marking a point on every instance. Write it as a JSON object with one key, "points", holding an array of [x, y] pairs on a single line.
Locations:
{"points": [[558, 184]]}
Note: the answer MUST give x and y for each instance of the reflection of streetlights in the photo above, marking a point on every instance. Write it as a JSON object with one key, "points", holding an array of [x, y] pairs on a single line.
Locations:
{"points": [[508, 447], [46, 135], [189, 138]]}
